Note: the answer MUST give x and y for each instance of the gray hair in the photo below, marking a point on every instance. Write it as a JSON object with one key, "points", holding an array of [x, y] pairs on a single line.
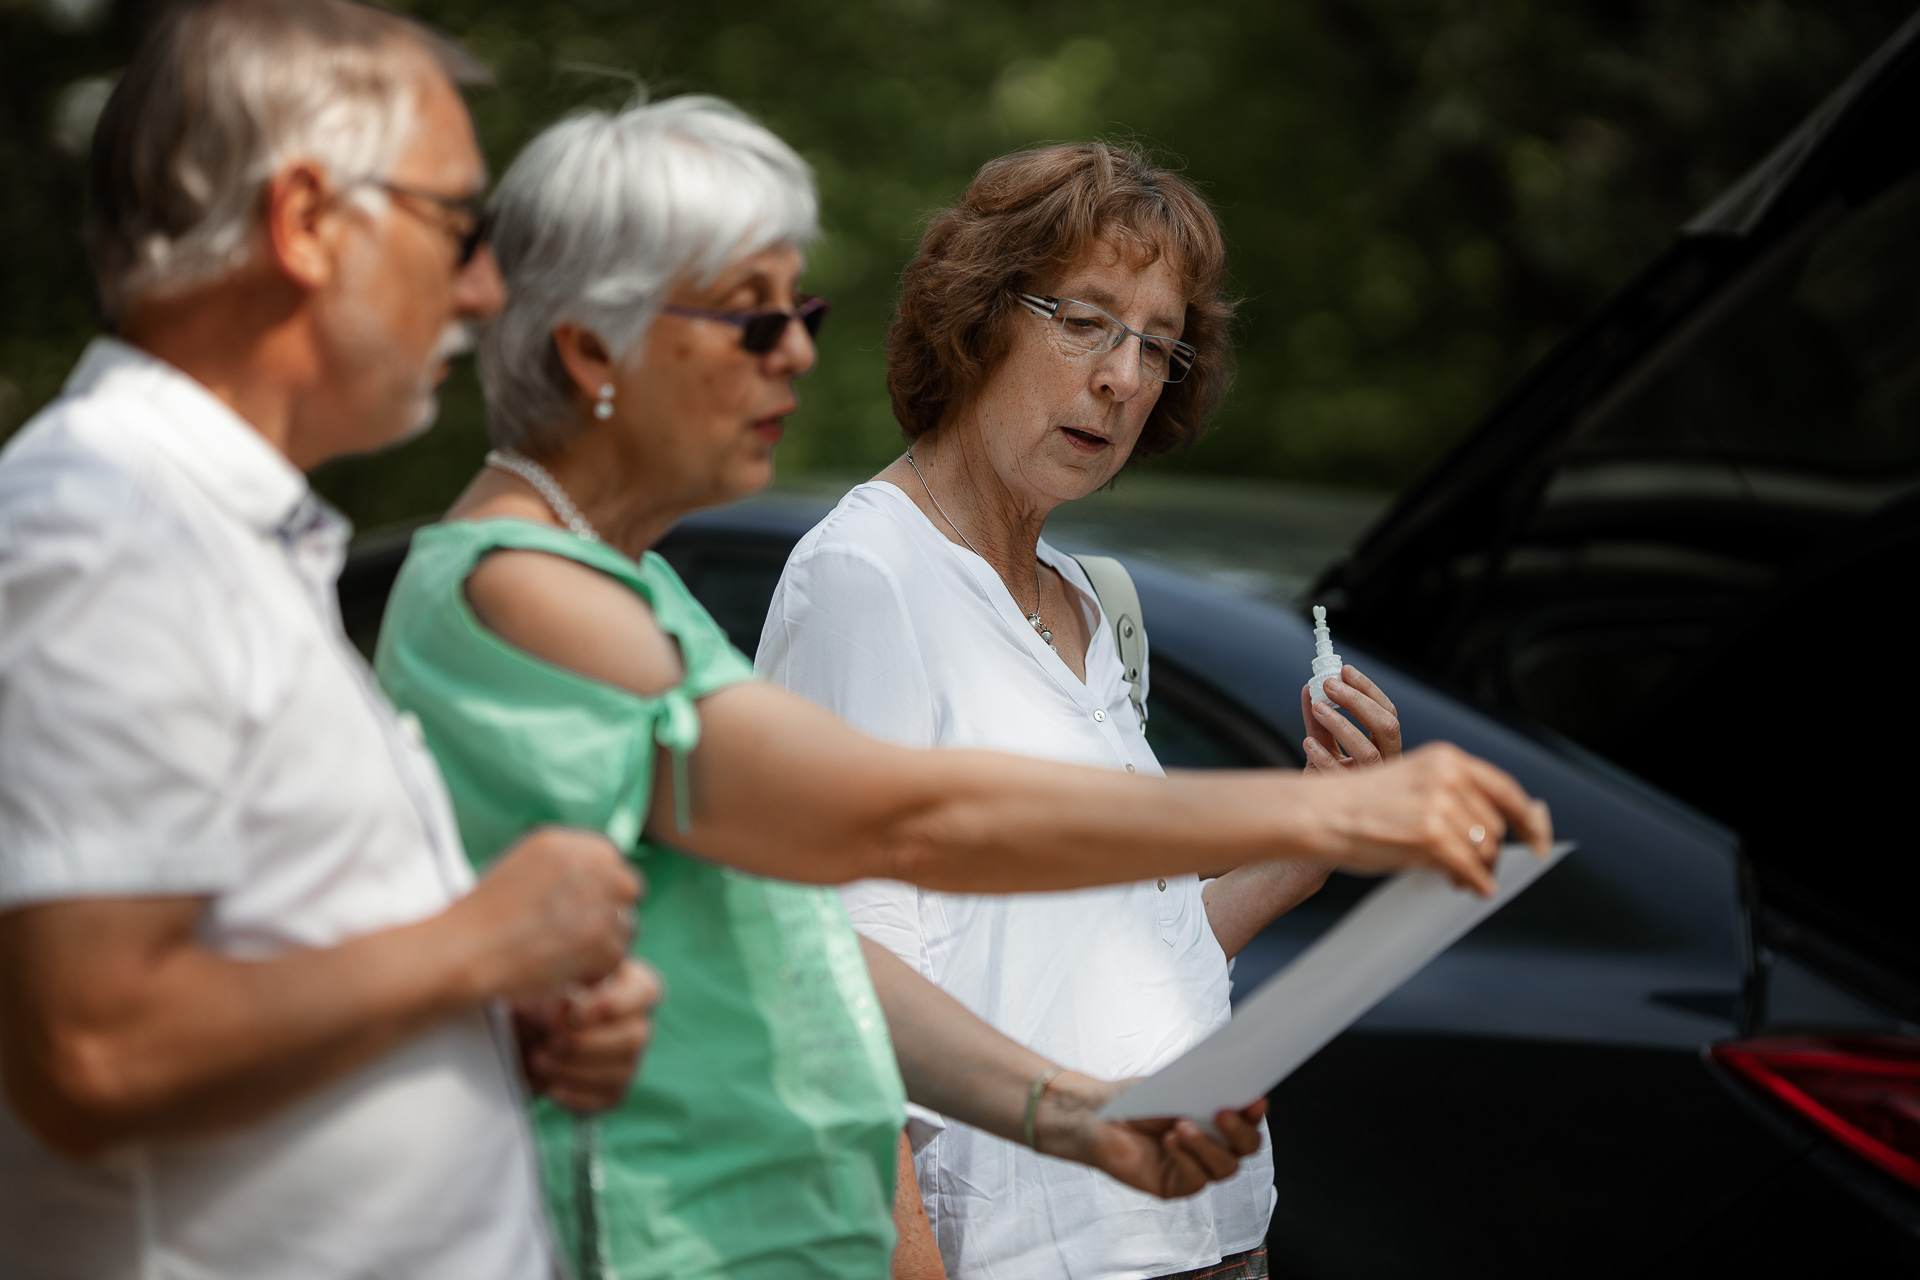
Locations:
{"points": [[220, 96], [601, 216]]}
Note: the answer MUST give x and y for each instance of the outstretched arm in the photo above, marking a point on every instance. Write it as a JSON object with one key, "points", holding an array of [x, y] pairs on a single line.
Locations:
{"points": [[961, 1067], [782, 788]]}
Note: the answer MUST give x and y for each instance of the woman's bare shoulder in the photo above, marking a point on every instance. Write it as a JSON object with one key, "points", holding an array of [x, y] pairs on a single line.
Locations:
{"points": [[574, 616]]}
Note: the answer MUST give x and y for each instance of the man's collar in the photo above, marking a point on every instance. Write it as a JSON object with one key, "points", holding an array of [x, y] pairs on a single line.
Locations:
{"points": [[214, 446]]}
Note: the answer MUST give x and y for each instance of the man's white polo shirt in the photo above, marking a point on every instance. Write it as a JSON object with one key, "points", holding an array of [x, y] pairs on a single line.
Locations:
{"points": [[180, 713]]}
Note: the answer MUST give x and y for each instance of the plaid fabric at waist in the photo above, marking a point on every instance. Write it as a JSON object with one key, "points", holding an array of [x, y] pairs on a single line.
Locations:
{"points": [[1251, 1265]]}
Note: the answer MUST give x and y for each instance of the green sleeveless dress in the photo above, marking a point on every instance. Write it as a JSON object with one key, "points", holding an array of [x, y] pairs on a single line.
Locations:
{"points": [[758, 1141]]}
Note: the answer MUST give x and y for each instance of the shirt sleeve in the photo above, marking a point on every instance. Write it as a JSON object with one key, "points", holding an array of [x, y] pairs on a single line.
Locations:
{"points": [[839, 634], [119, 721]]}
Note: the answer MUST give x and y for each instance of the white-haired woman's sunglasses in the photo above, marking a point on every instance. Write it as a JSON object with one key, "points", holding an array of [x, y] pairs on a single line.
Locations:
{"points": [[762, 329]]}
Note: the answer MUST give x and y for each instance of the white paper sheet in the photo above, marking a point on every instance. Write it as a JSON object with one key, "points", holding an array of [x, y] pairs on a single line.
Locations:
{"points": [[1389, 936]]}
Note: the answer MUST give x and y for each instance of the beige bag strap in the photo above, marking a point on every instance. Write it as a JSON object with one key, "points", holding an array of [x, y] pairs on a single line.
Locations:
{"points": [[1120, 601]]}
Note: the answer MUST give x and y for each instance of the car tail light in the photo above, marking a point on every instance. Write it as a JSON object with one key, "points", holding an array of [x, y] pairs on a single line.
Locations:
{"points": [[1862, 1091]]}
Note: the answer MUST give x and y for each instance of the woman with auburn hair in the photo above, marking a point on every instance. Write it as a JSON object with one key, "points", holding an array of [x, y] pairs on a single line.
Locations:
{"points": [[1063, 319], [563, 674]]}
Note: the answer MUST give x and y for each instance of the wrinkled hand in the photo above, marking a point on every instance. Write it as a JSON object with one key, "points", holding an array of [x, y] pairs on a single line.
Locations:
{"points": [[1166, 1158], [1335, 742], [582, 1049], [1425, 810], [554, 910]]}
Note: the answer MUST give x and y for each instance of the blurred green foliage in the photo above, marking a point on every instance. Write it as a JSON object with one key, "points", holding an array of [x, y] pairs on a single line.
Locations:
{"points": [[1421, 195]]}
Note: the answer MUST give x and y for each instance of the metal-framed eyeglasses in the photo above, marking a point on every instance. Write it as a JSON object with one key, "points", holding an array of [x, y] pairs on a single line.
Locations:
{"points": [[467, 220], [762, 328], [1083, 329]]}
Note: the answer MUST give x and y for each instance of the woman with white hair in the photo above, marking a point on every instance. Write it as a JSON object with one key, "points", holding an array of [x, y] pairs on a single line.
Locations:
{"points": [[563, 675]]}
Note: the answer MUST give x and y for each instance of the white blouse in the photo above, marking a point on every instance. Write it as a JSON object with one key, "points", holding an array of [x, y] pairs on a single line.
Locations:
{"points": [[914, 639]]}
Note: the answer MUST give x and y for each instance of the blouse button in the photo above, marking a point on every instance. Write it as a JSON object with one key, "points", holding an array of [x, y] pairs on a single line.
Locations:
{"points": [[410, 728], [1099, 717], [1129, 768], [1163, 886]]}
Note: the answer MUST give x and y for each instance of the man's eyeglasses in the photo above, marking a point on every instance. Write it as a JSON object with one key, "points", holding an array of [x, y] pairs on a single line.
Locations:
{"points": [[1082, 329], [762, 328], [467, 220]]}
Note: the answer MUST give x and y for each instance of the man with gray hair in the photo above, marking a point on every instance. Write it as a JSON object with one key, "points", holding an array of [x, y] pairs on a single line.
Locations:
{"points": [[250, 997]]}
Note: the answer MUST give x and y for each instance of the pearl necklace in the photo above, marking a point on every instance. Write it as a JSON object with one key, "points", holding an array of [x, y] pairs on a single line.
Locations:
{"points": [[547, 487], [1046, 636]]}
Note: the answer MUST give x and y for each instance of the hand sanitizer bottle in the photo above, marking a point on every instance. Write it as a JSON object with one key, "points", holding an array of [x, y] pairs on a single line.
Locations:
{"points": [[1325, 661]]}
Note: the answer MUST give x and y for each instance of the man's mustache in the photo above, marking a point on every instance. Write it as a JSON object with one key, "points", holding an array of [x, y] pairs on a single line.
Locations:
{"points": [[455, 340]]}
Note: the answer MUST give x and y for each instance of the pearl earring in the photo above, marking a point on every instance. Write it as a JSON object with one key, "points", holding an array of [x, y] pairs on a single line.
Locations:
{"points": [[604, 409]]}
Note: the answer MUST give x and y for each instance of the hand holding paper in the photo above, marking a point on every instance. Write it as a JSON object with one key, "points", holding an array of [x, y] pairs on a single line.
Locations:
{"points": [[1392, 934], [1169, 1158], [1435, 807]]}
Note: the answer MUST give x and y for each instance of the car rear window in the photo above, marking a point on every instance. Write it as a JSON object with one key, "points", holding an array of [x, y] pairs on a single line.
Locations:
{"points": [[1714, 587]]}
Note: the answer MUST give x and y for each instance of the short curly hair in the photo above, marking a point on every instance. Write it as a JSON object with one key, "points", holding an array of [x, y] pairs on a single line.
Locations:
{"points": [[1024, 219]]}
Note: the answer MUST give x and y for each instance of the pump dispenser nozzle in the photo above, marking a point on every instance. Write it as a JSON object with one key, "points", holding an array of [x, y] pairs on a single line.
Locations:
{"points": [[1325, 661]]}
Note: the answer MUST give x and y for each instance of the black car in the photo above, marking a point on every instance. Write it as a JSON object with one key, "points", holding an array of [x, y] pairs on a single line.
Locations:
{"points": [[1662, 584]]}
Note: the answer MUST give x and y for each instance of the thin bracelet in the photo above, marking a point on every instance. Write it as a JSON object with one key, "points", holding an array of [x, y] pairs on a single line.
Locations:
{"points": [[1034, 1090]]}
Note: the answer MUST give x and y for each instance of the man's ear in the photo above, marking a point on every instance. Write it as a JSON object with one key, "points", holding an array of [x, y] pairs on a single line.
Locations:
{"points": [[587, 359], [301, 225]]}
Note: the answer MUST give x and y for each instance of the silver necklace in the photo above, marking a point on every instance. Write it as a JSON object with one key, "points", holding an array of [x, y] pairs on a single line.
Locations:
{"points": [[1045, 635], [547, 487]]}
